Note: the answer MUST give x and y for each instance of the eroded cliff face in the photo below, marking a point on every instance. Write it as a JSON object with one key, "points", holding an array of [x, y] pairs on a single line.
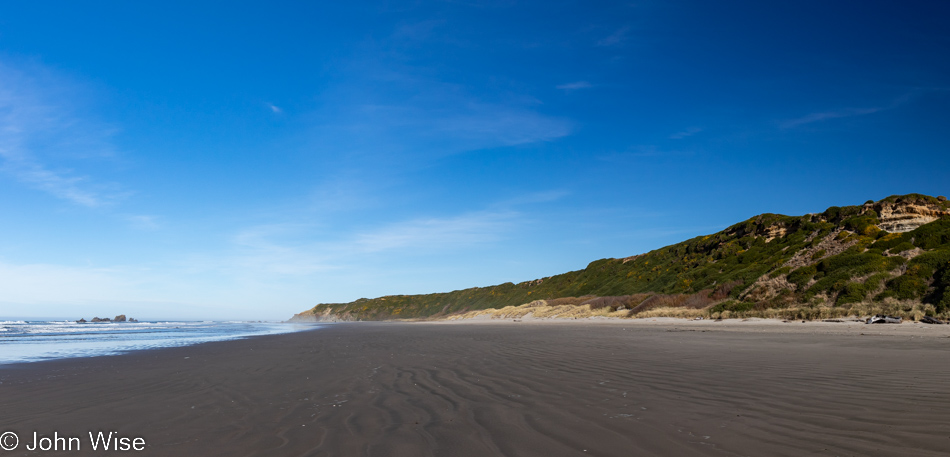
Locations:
{"points": [[904, 216], [894, 215], [318, 315], [306, 316]]}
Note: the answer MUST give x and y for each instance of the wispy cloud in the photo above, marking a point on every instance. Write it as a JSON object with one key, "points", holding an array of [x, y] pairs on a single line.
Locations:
{"points": [[279, 249], [37, 127], [615, 38], [685, 133], [143, 222], [274, 108], [533, 198], [644, 151], [385, 106], [59, 183], [575, 86], [293, 244], [287, 265], [436, 122], [827, 115], [436, 233], [853, 112], [498, 125]]}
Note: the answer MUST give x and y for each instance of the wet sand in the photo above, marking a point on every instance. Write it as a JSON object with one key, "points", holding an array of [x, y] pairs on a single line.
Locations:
{"points": [[585, 388]]}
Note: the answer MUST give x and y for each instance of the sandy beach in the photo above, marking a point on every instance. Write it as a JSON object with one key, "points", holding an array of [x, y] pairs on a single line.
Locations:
{"points": [[587, 388]]}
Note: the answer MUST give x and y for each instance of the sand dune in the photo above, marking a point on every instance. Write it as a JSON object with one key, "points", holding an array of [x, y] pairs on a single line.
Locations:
{"points": [[500, 388]]}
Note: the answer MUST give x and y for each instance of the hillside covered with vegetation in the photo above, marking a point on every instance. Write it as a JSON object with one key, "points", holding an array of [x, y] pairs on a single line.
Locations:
{"points": [[890, 256]]}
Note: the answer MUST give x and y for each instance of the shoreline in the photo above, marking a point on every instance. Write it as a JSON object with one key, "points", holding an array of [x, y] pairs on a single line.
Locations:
{"points": [[585, 387], [36, 341], [752, 324]]}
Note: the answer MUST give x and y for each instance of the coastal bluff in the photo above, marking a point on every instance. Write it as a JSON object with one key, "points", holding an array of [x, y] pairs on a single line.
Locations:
{"points": [[889, 257]]}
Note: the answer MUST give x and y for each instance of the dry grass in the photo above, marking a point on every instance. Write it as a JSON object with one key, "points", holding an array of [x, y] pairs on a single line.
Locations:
{"points": [[681, 312], [659, 301], [540, 309], [568, 300], [693, 306], [907, 310]]}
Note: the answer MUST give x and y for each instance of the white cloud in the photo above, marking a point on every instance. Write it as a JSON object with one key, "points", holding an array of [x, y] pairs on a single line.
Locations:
{"points": [[266, 271], [386, 109], [534, 197], [575, 85], [272, 253], [853, 112], [144, 222], [62, 184], [436, 233], [38, 127], [644, 151], [496, 125], [276, 109], [273, 249], [826, 115], [685, 133], [289, 248], [432, 125]]}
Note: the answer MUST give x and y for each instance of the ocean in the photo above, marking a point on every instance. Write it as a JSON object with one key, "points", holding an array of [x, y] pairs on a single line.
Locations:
{"points": [[33, 341]]}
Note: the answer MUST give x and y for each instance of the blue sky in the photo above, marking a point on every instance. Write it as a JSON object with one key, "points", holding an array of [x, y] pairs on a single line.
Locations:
{"points": [[252, 159]]}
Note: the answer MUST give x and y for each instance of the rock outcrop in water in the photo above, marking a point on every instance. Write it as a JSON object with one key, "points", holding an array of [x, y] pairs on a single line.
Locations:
{"points": [[119, 318]]}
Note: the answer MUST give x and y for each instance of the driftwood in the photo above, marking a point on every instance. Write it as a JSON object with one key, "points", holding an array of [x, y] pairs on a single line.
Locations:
{"points": [[882, 319], [931, 320]]}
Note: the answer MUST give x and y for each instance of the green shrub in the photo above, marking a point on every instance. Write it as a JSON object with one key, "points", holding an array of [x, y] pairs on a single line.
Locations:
{"points": [[904, 246], [853, 292], [876, 281], [780, 272], [837, 214], [912, 198], [858, 263], [932, 235], [862, 224], [835, 272], [890, 240], [940, 297], [802, 275], [913, 283]]}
